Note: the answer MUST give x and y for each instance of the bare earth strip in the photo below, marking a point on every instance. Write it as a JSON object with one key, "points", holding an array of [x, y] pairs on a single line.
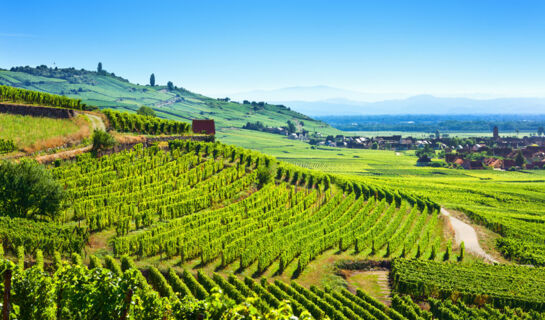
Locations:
{"points": [[96, 121], [466, 233]]}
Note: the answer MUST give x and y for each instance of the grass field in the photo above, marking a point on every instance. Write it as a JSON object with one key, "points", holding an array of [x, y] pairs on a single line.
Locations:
{"points": [[36, 133]]}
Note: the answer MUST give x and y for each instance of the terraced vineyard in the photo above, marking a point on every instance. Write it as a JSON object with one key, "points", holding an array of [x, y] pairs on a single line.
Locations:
{"points": [[207, 202], [501, 285], [150, 294], [178, 229], [511, 204]]}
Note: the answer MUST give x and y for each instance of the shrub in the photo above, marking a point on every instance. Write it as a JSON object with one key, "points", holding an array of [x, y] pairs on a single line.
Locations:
{"points": [[27, 189], [102, 140]]}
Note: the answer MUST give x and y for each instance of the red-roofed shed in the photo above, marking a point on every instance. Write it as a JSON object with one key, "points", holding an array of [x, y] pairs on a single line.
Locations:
{"points": [[204, 126]]}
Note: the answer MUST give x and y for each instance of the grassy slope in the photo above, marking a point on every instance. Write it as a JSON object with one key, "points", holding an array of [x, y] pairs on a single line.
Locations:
{"points": [[108, 91], [33, 133]]}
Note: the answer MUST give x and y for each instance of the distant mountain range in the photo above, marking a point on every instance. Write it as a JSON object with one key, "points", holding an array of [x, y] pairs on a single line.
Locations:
{"points": [[314, 93], [324, 100]]}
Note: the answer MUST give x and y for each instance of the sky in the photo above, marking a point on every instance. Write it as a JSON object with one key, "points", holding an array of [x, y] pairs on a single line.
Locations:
{"points": [[449, 48]]}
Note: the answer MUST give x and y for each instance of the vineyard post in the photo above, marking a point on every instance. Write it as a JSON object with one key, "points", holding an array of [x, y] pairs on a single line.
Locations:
{"points": [[7, 291], [59, 307], [127, 305]]}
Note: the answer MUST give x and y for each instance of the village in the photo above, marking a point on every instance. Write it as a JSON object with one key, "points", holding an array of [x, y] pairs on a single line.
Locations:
{"points": [[496, 152], [502, 153]]}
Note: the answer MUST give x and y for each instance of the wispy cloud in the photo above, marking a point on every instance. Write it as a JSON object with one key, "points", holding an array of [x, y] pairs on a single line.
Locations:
{"points": [[17, 35]]}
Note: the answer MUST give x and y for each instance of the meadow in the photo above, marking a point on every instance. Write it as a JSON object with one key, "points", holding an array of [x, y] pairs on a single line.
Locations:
{"points": [[37, 133]]}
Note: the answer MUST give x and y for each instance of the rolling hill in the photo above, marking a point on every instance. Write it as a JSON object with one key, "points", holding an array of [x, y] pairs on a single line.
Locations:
{"points": [[106, 90]]}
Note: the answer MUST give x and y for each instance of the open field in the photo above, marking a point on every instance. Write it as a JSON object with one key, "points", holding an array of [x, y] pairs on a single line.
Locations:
{"points": [[36, 133]]}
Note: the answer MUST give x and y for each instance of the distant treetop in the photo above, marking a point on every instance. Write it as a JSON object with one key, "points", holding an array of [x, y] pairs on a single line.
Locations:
{"points": [[146, 111]]}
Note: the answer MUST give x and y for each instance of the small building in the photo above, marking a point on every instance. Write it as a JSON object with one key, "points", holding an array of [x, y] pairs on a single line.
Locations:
{"points": [[204, 126]]}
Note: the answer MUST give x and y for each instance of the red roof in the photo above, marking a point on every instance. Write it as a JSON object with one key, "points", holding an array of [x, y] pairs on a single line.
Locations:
{"points": [[204, 126]]}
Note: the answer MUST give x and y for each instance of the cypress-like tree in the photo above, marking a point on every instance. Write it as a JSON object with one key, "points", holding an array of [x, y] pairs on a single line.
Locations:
{"points": [[462, 252], [152, 80], [519, 160], [99, 67]]}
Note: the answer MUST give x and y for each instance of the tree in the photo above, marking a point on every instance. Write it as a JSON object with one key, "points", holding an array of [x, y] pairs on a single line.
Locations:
{"points": [[540, 131], [146, 111], [170, 86], [99, 67], [425, 153], [462, 252], [437, 134], [291, 127], [519, 159], [152, 80], [102, 140], [28, 190]]}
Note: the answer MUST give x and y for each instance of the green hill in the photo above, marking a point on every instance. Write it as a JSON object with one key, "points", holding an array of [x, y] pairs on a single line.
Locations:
{"points": [[106, 90]]}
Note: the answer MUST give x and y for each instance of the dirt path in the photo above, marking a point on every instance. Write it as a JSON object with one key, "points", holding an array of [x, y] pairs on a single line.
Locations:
{"points": [[466, 233], [96, 121]]}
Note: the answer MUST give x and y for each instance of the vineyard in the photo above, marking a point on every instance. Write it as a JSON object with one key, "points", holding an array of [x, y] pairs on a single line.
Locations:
{"points": [[118, 290], [511, 204], [7, 146], [176, 230], [12, 94], [219, 204], [500, 285], [127, 122]]}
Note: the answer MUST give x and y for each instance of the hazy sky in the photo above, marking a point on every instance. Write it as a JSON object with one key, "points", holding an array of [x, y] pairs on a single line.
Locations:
{"points": [[215, 47]]}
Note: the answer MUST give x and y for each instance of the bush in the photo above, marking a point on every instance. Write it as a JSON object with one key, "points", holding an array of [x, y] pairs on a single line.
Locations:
{"points": [[146, 111], [27, 189], [102, 140]]}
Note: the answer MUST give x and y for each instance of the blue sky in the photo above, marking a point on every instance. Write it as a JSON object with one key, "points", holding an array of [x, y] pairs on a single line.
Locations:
{"points": [[216, 47]]}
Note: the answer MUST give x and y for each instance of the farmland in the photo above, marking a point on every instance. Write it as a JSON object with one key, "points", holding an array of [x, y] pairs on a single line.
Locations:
{"points": [[216, 226], [173, 295], [508, 203], [175, 222]]}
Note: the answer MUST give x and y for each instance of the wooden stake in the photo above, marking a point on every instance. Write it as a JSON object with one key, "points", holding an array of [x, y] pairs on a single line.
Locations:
{"points": [[7, 291]]}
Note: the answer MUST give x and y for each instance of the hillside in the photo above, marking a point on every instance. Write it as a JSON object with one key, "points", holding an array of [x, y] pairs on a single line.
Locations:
{"points": [[178, 221], [106, 90]]}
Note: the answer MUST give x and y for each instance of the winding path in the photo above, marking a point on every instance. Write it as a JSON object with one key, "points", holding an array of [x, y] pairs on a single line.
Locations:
{"points": [[96, 121], [466, 233]]}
